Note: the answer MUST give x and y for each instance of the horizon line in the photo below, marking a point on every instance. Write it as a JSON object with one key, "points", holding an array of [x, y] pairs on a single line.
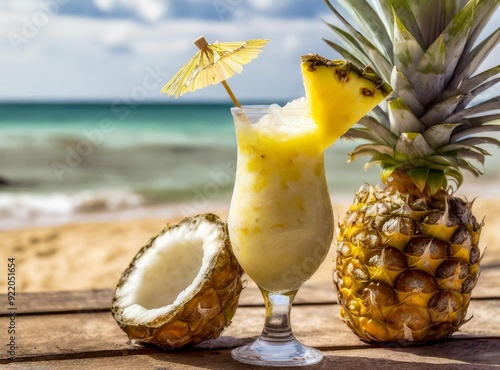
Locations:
{"points": [[145, 102]]}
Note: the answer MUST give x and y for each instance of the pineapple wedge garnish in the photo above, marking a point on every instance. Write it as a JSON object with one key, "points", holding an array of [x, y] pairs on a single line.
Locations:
{"points": [[339, 93]]}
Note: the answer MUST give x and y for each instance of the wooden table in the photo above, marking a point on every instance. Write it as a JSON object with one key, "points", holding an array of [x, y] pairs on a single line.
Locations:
{"points": [[75, 330]]}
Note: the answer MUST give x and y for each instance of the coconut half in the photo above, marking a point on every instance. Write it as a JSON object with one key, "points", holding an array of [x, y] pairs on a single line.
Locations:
{"points": [[182, 287]]}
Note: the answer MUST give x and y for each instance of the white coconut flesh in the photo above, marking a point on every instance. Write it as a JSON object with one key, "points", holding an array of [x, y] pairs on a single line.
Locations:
{"points": [[170, 272]]}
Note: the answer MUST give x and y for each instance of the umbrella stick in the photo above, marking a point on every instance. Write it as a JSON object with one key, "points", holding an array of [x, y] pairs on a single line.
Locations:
{"points": [[231, 95], [202, 44]]}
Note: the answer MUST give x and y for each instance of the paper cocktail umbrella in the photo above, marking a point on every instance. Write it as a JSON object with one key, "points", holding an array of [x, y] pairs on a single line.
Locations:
{"points": [[214, 63]]}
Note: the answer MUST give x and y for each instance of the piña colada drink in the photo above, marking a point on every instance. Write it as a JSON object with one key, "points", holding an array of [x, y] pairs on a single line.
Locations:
{"points": [[281, 220]]}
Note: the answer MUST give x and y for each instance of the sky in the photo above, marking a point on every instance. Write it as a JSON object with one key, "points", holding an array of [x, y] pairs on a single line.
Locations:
{"points": [[102, 50], [108, 49]]}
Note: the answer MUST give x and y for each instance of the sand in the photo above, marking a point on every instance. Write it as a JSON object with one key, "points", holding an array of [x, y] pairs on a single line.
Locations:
{"points": [[92, 255]]}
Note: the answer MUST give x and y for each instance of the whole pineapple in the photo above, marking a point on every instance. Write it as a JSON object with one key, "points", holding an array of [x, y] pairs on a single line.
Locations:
{"points": [[407, 254]]}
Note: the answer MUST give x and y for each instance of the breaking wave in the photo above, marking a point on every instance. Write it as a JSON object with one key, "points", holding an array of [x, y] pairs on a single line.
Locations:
{"points": [[25, 209]]}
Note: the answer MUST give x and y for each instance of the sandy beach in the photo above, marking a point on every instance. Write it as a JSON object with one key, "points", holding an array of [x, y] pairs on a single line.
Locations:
{"points": [[93, 254]]}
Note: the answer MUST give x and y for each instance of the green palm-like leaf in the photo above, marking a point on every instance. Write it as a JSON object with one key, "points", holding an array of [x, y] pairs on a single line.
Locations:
{"points": [[436, 180], [378, 60], [404, 11], [345, 53], [370, 23], [419, 176], [361, 133], [436, 121], [430, 75], [439, 135], [471, 61], [430, 17], [382, 132], [461, 146], [383, 8], [412, 146], [451, 8], [402, 119], [486, 106], [455, 37], [474, 141], [443, 160], [381, 160], [355, 52], [387, 171], [478, 121], [406, 92], [471, 154], [422, 163], [466, 165], [473, 131], [471, 83], [406, 48], [380, 115], [369, 149], [483, 11], [455, 174], [482, 88], [441, 111]]}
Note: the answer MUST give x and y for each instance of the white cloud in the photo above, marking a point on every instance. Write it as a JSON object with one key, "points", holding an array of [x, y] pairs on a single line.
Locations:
{"points": [[105, 5], [117, 36], [18, 6], [263, 4], [64, 62], [148, 10], [76, 57]]}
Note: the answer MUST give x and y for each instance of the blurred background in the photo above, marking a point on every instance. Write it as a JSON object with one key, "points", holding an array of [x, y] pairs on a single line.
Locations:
{"points": [[86, 133]]}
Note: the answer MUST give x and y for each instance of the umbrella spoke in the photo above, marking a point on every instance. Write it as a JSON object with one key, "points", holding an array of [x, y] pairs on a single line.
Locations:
{"points": [[213, 64]]}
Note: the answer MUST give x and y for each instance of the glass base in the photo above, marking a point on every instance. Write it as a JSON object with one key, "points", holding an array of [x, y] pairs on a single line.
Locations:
{"points": [[286, 354]]}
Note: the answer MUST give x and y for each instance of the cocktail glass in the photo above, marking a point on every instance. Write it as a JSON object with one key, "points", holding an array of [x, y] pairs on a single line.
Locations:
{"points": [[280, 222]]}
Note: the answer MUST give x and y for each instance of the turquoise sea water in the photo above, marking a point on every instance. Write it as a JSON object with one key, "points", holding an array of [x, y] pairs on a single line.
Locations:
{"points": [[63, 159], [146, 149]]}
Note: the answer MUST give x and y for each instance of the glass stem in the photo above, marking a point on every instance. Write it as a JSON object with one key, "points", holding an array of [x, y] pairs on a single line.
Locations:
{"points": [[277, 327]]}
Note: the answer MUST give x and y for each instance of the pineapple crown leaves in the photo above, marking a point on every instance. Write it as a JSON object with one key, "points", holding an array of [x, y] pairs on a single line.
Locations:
{"points": [[434, 124]]}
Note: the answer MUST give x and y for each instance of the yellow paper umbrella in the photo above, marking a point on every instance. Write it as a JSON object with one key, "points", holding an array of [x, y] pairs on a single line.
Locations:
{"points": [[214, 63]]}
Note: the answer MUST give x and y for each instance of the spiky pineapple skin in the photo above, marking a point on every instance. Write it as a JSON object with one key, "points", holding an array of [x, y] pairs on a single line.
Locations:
{"points": [[429, 131], [202, 317], [406, 265]]}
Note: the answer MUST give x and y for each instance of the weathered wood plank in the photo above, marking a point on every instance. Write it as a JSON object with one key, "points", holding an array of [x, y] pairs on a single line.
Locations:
{"points": [[453, 354], [488, 284], [313, 292], [74, 334], [309, 293], [64, 301], [100, 300], [96, 334]]}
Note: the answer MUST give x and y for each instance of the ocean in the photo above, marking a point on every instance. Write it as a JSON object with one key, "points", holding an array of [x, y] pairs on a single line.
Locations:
{"points": [[61, 162]]}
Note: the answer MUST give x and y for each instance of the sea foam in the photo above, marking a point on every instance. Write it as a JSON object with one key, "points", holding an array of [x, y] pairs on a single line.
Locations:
{"points": [[24, 209]]}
